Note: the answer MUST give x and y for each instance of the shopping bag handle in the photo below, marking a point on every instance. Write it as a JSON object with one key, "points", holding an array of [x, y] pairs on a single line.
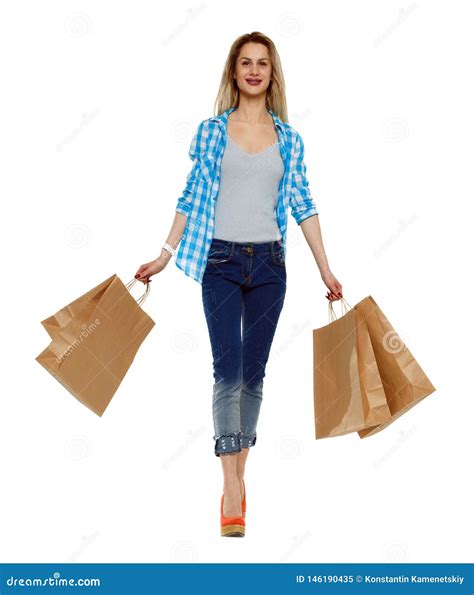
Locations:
{"points": [[331, 313], [142, 298]]}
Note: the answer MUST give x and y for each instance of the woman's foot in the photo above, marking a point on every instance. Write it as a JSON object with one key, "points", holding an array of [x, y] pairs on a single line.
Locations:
{"points": [[231, 526], [233, 494]]}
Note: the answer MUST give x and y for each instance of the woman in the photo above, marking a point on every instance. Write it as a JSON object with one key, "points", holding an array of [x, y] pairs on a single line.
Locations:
{"points": [[230, 226]]}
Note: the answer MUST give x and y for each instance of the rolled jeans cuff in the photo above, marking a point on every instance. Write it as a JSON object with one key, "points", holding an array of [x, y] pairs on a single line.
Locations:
{"points": [[227, 444], [232, 443], [247, 441]]}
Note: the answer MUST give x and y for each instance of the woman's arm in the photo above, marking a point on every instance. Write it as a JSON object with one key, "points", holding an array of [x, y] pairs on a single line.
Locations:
{"points": [[306, 215], [174, 237], [312, 233], [183, 206]]}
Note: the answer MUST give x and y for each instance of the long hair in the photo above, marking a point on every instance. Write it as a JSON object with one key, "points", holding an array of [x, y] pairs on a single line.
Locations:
{"points": [[228, 95]]}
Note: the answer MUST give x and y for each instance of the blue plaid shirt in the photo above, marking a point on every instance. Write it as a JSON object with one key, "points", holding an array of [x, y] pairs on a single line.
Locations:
{"points": [[202, 188]]}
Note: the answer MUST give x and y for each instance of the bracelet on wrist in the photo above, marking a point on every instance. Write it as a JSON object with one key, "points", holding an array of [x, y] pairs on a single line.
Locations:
{"points": [[169, 249]]}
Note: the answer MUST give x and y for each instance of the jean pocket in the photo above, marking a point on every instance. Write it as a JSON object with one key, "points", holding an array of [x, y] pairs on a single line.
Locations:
{"points": [[219, 254], [278, 256]]}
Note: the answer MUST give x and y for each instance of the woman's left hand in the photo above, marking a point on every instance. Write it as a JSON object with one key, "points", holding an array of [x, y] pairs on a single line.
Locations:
{"points": [[335, 288]]}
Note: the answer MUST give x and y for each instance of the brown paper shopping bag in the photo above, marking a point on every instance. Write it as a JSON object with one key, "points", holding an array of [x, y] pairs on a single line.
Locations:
{"points": [[405, 383], [94, 341], [54, 323], [348, 390]]}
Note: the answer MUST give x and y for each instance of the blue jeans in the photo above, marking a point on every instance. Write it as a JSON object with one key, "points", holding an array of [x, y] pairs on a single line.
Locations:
{"points": [[243, 290]]}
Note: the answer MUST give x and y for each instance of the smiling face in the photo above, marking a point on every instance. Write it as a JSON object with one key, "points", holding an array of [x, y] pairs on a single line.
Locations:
{"points": [[253, 69]]}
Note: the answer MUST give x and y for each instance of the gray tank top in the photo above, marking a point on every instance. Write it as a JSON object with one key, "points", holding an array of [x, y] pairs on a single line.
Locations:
{"points": [[248, 191]]}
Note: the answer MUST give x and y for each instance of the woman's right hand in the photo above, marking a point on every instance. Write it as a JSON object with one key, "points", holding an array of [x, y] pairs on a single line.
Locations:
{"points": [[335, 288], [145, 271]]}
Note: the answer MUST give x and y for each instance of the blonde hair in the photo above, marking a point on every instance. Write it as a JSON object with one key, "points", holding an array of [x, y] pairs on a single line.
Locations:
{"points": [[228, 95]]}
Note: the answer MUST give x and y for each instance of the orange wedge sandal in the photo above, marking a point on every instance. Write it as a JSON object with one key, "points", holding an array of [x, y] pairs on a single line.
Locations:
{"points": [[231, 526]]}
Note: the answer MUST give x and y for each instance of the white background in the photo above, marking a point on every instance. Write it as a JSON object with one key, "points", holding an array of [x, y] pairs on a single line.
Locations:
{"points": [[99, 104]]}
